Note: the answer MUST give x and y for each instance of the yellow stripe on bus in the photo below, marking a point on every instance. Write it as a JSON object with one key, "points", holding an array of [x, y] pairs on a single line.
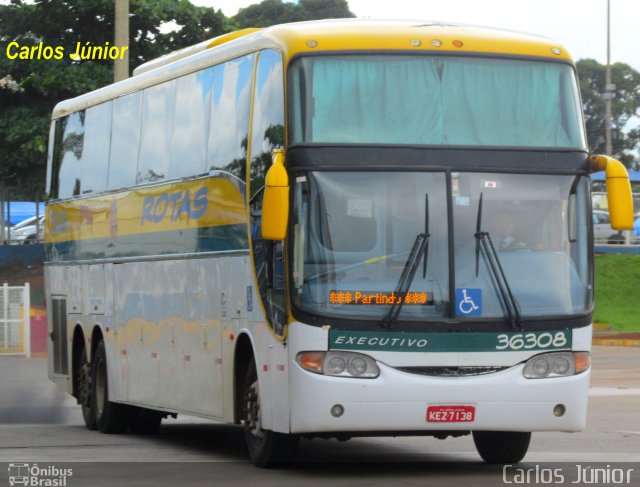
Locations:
{"points": [[168, 207]]}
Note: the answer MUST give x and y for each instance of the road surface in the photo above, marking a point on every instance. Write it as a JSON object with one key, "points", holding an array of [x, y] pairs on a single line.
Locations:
{"points": [[41, 425]]}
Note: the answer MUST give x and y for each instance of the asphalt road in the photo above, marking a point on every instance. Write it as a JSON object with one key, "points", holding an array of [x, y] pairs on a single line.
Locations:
{"points": [[41, 425]]}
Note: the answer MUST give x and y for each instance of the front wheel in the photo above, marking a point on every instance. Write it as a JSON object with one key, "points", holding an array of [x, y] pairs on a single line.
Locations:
{"points": [[501, 446], [266, 448], [111, 417]]}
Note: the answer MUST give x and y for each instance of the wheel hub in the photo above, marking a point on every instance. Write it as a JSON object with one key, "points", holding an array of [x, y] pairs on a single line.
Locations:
{"points": [[252, 411]]}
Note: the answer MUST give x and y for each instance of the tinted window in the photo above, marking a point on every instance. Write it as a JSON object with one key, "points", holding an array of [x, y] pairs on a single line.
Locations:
{"points": [[53, 159], [231, 103], [428, 100], [157, 119], [191, 124], [267, 132], [70, 170], [125, 138], [97, 138]]}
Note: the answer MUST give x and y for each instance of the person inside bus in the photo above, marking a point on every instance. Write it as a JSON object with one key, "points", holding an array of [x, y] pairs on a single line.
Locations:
{"points": [[502, 234]]}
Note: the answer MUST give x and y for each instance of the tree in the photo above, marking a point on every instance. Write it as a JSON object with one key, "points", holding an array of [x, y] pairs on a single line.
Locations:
{"points": [[624, 106], [29, 89], [271, 12]]}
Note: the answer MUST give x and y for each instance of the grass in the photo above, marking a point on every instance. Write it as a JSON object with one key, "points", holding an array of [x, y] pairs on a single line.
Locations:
{"points": [[617, 296]]}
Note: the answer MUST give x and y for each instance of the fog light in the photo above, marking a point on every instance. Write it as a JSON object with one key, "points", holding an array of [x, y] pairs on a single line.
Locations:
{"points": [[337, 410], [559, 410]]}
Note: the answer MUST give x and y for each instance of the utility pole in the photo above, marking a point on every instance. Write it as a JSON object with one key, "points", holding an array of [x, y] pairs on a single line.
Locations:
{"points": [[121, 39], [609, 88]]}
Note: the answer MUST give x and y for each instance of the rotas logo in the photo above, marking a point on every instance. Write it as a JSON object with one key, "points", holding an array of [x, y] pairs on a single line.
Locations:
{"points": [[175, 204]]}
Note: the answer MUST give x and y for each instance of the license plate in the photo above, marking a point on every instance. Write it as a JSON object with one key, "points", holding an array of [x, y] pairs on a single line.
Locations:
{"points": [[451, 414]]}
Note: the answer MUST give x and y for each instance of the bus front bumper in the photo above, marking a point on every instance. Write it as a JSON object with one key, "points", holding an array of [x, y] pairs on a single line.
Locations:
{"points": [[397, 401]]}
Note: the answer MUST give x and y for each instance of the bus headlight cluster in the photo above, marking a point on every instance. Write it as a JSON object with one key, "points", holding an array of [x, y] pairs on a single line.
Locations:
{"points": [[556, 364], [339, 364]]}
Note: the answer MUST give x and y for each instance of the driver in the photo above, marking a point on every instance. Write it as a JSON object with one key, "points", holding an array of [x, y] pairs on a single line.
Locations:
{"points": [[501, 234]]}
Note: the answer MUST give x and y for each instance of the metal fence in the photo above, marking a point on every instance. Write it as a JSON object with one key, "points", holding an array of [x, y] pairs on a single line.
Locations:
{"points": [[15, 320]]}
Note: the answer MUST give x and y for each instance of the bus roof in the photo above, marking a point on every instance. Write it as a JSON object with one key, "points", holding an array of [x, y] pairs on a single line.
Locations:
{"points": [[326, 35]]}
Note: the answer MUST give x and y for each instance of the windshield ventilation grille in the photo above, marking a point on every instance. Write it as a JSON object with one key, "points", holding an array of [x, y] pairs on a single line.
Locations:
{"points": [[451, 371]]}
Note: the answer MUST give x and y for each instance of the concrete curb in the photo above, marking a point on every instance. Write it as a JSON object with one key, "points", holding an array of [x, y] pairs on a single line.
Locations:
{"points": [[616, 342], [604, 335]]}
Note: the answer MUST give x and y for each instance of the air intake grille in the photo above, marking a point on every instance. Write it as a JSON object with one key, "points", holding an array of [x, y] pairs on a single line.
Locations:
{"points": [[451, 371], [59, 322]]}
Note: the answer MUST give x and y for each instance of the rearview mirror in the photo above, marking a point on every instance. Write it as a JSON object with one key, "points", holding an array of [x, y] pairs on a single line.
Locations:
{"points": [[275, 203], [619, 196]]}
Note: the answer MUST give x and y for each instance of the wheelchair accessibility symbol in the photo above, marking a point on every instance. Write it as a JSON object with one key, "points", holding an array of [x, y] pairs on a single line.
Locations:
{"points": [[468, 302]]}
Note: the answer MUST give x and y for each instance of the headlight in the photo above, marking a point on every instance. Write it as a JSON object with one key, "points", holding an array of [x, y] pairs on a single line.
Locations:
{"points": [[339, 364], [556, 364]]}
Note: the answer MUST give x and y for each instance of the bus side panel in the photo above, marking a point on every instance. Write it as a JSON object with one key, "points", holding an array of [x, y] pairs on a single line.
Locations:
{"points": [[170, 316], [273, 374], [272, 366]]}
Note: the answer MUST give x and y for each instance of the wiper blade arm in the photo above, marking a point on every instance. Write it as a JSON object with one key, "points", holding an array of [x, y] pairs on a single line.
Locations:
{"points": [[484, 243], [420, 249], [426, 232], [406, 278], [493, 261]]}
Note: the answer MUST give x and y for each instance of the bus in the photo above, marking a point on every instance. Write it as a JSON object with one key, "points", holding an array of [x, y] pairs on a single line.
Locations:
{"points": [[330, 229]]}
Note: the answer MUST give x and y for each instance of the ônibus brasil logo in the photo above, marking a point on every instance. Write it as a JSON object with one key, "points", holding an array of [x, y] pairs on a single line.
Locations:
{"points": [[34, 476]]}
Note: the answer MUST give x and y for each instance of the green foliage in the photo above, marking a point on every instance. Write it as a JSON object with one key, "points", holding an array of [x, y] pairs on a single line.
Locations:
{"points": [[271, 12], [625, 104], [617, 292], [29, 89]]}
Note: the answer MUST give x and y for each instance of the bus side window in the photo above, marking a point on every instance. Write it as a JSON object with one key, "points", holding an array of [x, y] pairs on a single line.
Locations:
{"points": [[267, 133], [69, 170]]}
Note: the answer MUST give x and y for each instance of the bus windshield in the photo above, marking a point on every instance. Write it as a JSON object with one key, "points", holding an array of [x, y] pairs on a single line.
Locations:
{"points": [[435, 100], [354, 232]]}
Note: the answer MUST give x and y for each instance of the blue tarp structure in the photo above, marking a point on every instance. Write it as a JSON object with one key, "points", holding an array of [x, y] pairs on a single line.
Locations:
{"points": [[634, 176], [20, 210]]}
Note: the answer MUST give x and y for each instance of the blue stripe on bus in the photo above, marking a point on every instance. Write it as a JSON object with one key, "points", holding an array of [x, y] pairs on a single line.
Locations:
{"points": [[188, 241]]}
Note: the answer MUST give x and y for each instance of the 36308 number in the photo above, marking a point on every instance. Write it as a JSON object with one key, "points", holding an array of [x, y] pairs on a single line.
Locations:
{"points": [[528, 341]]}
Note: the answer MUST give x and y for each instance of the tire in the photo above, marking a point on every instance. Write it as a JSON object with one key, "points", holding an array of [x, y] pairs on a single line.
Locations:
{"points": [[266, 448], [144, 421], [85, 391], [501, 446], [111, 417]]}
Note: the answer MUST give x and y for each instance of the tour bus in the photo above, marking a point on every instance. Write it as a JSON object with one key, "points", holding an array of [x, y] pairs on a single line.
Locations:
{"points": [[330, 229]]}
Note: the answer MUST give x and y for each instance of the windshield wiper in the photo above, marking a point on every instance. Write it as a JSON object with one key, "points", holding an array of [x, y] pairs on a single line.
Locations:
{"points": [[484, 243], [419, 250]]}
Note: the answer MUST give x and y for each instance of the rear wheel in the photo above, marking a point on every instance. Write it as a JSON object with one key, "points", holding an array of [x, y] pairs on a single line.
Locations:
{"points": [[111, 417], [501, 446], [266, 448], [85, 392]]}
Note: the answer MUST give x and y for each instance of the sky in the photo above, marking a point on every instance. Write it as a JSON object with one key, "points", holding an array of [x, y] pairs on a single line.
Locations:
{"points": [[579, 25]]}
